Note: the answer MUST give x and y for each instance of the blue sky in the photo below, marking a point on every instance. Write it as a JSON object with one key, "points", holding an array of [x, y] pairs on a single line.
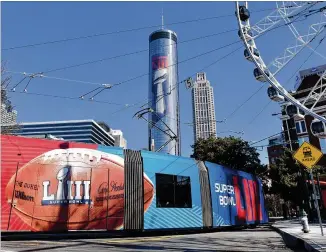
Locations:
{"points": [[232, 79]]}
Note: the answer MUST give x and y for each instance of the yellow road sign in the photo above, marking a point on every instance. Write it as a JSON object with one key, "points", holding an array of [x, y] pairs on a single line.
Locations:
{"points": [[308, 155]]}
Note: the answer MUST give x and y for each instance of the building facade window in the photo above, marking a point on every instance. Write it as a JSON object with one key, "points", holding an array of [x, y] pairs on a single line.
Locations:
{"points": [[301, 127], [301, 140], [173, 191], [273, 160], [322, 142]]}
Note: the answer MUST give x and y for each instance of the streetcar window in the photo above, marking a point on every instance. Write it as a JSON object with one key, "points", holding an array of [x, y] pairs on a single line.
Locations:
{"points": [[182, 192], [173, 191]]}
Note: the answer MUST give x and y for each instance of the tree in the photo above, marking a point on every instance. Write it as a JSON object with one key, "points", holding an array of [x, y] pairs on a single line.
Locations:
{"points": [[274, 204], [285, 177], [5, 81], [230, 151], [289, 180]]}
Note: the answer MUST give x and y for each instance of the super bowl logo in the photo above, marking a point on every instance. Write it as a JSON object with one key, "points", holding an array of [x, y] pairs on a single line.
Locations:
{"points": [[159, 62], [64, 194]]}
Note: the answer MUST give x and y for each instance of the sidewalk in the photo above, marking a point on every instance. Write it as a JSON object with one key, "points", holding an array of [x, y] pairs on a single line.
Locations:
{"points": [[293, 235]]}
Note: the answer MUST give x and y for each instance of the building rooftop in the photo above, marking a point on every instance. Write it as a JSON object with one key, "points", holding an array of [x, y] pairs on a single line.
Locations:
{"points": [[308, 72]]}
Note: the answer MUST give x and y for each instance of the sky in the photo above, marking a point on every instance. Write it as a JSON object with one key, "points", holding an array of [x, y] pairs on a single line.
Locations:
{"points": [[232, 78]]}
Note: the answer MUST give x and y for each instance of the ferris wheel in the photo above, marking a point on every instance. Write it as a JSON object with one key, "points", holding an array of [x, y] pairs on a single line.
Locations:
{"points": [[287, 14]]}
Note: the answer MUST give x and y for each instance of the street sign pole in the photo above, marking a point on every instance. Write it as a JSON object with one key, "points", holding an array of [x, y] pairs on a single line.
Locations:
{"points": [[308, 155], [316, 202]]}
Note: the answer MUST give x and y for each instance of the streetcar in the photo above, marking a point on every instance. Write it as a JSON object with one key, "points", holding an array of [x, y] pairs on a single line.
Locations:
{"points": [[57, 186]]}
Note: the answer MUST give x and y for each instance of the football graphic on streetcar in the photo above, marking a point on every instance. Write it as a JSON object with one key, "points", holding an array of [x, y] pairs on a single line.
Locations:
{"points": [[72, 189]]}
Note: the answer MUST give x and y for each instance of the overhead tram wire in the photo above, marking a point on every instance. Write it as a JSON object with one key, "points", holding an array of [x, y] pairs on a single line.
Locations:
{"points": [[150, 123], [276, 134], [243, 103], [126, 106], [136, 52], [260, 88], [204, 68], [65, 97], [177, 63], [57, 78], [180, 82], [124, 31], [145, 74], [101, 84], [133, 53]]}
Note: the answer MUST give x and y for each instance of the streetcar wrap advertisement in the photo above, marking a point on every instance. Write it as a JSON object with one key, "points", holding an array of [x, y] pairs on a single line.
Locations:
{"points": [[49, 185], [59, 186]]}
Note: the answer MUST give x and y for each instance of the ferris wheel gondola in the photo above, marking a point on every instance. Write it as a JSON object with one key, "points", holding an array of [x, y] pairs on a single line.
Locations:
{"points": [[274, 95], [260, 74], [285, 12], [244, 13], [318, 128], [294, 111], [254, 51]]}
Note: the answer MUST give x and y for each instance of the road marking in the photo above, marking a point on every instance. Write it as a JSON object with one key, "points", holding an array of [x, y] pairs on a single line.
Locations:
{"points": [[156, 238], [103, 241], [30, 243]]}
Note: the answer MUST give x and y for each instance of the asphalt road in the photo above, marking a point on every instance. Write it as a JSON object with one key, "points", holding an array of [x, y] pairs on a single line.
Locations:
{"points": [[259, 239]]}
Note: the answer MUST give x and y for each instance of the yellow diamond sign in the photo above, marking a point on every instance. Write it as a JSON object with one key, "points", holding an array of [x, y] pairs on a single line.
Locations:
{"points": [[308, 155]]}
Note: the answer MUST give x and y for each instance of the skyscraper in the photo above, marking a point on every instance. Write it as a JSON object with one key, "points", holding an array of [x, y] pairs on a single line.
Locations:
{"points": [[164, 126], [203, 108]]}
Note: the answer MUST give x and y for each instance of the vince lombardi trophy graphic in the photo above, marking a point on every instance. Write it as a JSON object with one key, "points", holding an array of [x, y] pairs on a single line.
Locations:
{"points": [[62, 176], [158, 79]]}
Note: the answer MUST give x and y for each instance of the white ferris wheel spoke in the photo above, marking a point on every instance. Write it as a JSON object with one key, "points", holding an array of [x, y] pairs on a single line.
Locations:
{"points": [[284, 13], [268, 73], [317, 93], [276, 17]]}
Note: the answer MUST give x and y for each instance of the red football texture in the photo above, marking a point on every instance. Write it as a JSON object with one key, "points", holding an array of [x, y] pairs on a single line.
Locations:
{"points": [[50, 193]]}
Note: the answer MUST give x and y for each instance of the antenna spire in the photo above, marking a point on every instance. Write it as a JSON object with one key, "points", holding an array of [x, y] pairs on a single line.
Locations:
{"points": [[162, 20]]}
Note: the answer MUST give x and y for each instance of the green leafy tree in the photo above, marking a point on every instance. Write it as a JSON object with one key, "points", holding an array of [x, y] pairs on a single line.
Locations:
{"points": [[288, 180], [285, 177], [230, 151]]}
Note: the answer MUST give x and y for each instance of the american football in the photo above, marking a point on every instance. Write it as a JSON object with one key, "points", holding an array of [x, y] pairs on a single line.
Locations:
{"points": [[72, 189]]}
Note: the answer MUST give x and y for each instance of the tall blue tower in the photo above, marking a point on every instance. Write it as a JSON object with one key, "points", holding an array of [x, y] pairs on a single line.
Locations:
{"points": [[164, 131]]}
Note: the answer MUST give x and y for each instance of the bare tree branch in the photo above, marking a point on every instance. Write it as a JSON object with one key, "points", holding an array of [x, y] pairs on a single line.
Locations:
{"points": [[6, 106]]}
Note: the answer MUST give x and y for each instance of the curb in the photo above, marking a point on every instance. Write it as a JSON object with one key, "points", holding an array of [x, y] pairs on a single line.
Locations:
{"points": [[294, 241], [20, 236]]}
